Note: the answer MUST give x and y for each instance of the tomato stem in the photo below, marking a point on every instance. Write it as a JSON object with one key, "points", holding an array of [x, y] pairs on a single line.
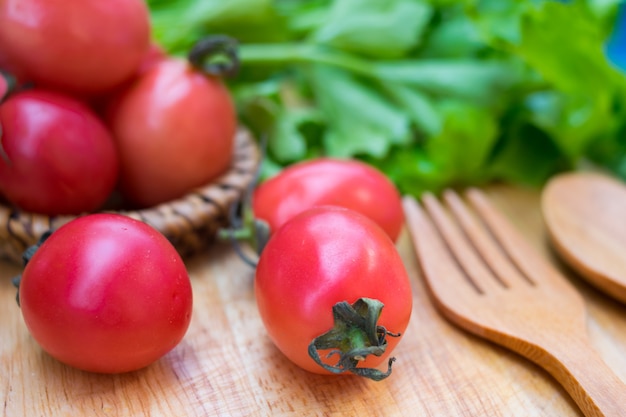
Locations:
{"points": [[255, 232], [354, 336], [8, 83], [3, 152], [244, 226], [215, 55], [238, 234], [26, 257]]}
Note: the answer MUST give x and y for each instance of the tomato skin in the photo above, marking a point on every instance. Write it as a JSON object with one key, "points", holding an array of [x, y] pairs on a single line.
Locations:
{"points": [[320, 257], [58, 157], [106, 293], [327, 181], [174, 128], [78, 46]]}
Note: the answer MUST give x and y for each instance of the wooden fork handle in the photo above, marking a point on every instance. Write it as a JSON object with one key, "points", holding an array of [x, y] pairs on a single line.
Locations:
{"points": [[588, 379]]}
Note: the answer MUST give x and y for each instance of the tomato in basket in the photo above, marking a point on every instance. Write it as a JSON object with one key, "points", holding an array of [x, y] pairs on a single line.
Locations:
{"points": [[81, 47], [174, 127], [56, 155]]}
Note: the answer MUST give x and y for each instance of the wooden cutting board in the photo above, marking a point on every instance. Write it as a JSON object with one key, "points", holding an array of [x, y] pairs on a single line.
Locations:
{"points": [[227, 366]]}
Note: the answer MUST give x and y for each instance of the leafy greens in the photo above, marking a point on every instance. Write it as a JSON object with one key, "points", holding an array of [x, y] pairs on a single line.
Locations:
{"points": [[435, 93]]}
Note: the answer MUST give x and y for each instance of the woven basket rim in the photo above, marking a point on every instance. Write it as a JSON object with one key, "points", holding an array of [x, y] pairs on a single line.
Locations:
{"points": [[189, 222]]}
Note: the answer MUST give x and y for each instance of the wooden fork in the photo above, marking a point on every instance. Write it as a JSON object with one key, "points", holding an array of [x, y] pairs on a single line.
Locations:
{"points": [[485, 278]]}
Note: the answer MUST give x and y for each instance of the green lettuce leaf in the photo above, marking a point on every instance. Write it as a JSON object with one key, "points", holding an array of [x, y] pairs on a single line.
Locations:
{"points": [[375, 28]]}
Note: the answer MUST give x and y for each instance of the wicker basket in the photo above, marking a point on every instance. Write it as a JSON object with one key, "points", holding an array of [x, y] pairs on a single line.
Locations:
{"points": [[189, 223]]}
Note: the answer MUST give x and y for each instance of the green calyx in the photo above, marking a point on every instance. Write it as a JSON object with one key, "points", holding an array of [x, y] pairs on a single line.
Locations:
{"points": [[26, 256], [215, 55], [8, 84], [244, 226], [354, 336]]}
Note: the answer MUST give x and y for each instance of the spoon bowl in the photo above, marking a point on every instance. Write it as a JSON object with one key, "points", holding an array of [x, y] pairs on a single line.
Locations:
{"points": [[585, 214]]}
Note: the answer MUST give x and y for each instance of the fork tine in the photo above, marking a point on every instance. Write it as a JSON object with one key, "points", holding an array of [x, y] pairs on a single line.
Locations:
{"points": [[434, 257], [450, 289], [523, 256], [497, 259], [470, 262]]}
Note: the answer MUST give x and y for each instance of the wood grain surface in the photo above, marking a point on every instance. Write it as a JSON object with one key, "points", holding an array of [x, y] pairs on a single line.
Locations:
{"points": [[227, 366]]}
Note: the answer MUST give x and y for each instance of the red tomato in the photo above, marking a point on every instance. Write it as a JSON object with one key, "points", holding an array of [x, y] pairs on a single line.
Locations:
{"points": [[151, 58], [321, 257], [106, 293], [105, 103], [78, 46], [325, 181], [174, 129], [57, 156]]}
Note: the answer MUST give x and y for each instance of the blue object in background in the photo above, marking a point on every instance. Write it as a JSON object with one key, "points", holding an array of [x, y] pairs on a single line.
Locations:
{"points": [[616, 44]]}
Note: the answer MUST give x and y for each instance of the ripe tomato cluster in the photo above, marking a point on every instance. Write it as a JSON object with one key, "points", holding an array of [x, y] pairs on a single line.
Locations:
{"points": [[89, 105], [91, 108], [331, 288]]}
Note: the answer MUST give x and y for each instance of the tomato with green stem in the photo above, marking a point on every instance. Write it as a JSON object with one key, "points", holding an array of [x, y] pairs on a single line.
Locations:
{"points": [[331, 281], [174, 127]]}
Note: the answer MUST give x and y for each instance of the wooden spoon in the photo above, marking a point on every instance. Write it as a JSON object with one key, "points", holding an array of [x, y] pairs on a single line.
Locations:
{"points": [[585, 214]]}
